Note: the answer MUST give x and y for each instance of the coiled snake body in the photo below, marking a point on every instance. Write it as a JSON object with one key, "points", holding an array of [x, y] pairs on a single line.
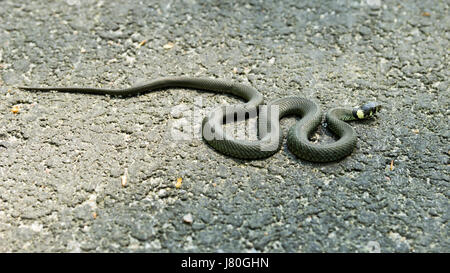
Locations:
{"points": [[270, 135]]}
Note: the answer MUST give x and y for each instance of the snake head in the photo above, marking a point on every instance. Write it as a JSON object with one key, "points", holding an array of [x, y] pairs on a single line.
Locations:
{"points": [[368, 110]]}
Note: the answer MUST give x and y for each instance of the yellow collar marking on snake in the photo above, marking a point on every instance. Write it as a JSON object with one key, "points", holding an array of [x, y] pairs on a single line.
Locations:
{"points": [[360, 114]]}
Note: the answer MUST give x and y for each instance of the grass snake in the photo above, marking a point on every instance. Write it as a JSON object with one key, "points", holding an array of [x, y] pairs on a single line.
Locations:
{"points": [[269, 132]]}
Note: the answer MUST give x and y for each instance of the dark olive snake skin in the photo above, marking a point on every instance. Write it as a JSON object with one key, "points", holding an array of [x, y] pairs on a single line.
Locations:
{"points": [[270, 135]]}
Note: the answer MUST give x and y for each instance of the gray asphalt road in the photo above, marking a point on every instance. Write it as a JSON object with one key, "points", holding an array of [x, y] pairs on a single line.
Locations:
{"points": [[92, 173]]}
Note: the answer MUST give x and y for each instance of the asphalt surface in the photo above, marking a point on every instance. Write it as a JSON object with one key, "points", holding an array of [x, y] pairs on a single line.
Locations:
{"points": [[64, 156]]}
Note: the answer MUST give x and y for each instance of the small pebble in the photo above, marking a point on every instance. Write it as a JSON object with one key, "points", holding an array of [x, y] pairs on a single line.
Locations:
{"points": [[188, 218], [163, 193]]}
